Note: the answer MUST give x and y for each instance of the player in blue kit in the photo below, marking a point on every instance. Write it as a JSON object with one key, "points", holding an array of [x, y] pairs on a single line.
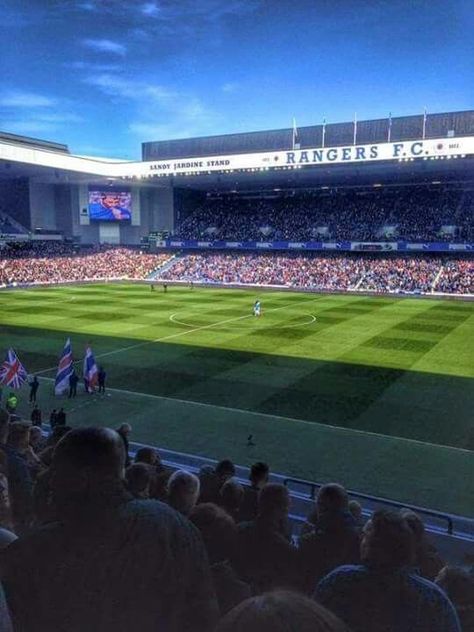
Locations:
{"points": [[257, 308]]}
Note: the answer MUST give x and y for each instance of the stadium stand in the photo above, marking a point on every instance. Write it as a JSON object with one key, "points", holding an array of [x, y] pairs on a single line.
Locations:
{"points": [[57, 262], [410, 213], [111, 546], [330, 272]]}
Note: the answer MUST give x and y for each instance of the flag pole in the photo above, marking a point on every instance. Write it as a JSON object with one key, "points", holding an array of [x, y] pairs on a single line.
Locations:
{"points": [[389, 132], [355, 128], [424, 123], [324, 133]]}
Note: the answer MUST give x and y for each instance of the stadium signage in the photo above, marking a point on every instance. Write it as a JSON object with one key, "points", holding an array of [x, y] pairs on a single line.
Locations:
{"points": [[264, 161], [406, 150], [372, 246]]}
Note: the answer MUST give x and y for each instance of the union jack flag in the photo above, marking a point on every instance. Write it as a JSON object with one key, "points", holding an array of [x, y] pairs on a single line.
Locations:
{"points": [[12, 372], [65, 369]]}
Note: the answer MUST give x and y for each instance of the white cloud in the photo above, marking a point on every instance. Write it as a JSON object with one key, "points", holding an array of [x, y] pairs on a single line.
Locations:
{"points": [[131, 89], [25, 100], [230, 87], [85, 65], [150, 9], [30, 113], [105, 46]]}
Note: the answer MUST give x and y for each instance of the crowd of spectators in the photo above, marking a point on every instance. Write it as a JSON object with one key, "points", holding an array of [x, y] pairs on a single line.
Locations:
{"points": [[87, 543], [386, 214], [56, 262], [328, 272]]}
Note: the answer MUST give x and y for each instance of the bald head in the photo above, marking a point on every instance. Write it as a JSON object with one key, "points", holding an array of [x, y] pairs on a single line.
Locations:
{"points": [[96, 450]]}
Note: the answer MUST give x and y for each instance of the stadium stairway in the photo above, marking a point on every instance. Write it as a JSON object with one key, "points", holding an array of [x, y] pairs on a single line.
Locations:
{"points": [[165, 266], [452, 535]]}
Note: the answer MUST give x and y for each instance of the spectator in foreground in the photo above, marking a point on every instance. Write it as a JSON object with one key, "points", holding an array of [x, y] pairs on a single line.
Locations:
{"points": [[427, 561], [280, 611], [384, 593], [124, 431], [158, 472], [335, 539], [212, 480], [264, 557], [231, 496], [138, 477], [183, 491], [219, 533], [355, 509], [5, 621], [110, 562], [259, 473], [36, 416], [19, 477], [459, 586]]}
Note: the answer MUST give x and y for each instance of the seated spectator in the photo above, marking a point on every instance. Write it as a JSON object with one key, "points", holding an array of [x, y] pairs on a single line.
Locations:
{"points": [[259, 474], [231, 496], [219, 533], [5, 503], [225, 470], [124, 431], [138, 478], [183, 491], [6, 538], [57, 433], [159, 473], [111, 562], [384, 593], [280, 611], [5, 620], [459, 586], [209, 485], [335, 540], [36, 416], [37, 441], [264, 558], [20, 481], [427, 560], [355, 509]]}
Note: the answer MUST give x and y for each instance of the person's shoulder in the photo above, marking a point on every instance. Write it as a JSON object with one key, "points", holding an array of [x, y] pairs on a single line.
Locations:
{"points": [[427, 587], [345, 573]]}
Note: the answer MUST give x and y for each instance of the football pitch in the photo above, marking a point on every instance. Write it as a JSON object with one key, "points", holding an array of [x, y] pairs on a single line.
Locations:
{"points": [[376, 393]]}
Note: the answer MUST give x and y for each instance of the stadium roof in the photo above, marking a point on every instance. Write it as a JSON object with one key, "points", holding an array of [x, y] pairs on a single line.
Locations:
{"points": [[346, 158], [439, 125]]}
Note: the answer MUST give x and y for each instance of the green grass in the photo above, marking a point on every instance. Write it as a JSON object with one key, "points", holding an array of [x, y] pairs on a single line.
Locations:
{"points": [[377, 393]]}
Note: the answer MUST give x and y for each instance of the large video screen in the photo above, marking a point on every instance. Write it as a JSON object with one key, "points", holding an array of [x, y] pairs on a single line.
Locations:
{"points": [[110, 206]]}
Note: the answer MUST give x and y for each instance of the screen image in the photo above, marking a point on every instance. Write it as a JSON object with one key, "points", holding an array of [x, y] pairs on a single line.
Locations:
{"points": [[110, 206]]}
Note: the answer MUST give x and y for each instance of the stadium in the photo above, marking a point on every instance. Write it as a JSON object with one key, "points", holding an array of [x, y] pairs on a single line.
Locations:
{"points": [[298, 297]]}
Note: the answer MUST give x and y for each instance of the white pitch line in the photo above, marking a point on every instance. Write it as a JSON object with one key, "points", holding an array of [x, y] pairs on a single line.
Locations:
{"points": [[178, 334], [276, 325], [269, 416]]}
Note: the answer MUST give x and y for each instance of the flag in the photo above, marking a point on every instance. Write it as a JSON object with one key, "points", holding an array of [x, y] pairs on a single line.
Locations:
{"points": [[12, 372], [424, 123], [294, 135], [355, 128], [324, 133], [90, 370], [65, 369], [389, 133]]}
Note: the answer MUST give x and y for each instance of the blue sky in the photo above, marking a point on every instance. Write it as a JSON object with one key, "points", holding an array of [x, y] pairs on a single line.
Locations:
{"points": [[105, 75]]}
